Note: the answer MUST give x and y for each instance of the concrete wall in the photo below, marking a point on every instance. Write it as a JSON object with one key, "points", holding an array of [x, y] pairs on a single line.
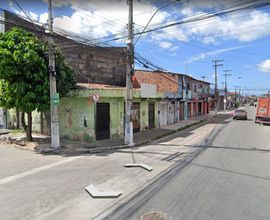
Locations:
{"points": [[77, 114], [2, 118], [91, 64]]}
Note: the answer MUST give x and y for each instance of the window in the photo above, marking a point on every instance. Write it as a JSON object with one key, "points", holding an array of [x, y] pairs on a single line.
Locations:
{"points": [[195, 88], [188, 86]]}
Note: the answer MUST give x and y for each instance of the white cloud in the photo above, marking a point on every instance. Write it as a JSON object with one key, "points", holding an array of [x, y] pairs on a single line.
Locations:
{"points": [[165, 44], [211, 53], [96, 19], [209, 40], [43, 18], [174, 48], [265, 66], [32, 15]]}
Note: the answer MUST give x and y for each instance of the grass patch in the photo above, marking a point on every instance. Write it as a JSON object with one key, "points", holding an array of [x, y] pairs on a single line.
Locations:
{"points": [[15, 131]]}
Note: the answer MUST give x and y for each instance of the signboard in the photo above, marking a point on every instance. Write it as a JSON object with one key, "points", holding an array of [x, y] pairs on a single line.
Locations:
{"points": [[95, 97], [55, 99], [148, 90]]}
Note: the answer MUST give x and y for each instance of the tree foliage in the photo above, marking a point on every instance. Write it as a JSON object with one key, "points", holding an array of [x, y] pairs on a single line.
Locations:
{"points": [[24, 76]]}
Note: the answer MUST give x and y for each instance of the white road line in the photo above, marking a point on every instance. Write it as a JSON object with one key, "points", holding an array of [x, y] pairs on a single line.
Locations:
{"points": [[37, 170]]}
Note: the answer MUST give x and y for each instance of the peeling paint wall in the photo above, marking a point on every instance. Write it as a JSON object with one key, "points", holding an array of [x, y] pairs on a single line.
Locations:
{"points": [[76, 117]]}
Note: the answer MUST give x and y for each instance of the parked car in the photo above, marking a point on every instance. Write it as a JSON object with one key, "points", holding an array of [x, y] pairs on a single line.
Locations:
{"points": [[240, 114]]}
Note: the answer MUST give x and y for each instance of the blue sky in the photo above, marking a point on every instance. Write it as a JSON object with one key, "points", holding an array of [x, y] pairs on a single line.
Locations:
{"points": [[241, 38]]}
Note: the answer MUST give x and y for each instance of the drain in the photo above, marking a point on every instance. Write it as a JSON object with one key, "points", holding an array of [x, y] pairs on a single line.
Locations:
{"points": [[155, 215]]}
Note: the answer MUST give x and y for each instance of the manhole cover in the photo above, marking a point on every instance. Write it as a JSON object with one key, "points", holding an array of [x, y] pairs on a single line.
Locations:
{"points": [[155, 215]]}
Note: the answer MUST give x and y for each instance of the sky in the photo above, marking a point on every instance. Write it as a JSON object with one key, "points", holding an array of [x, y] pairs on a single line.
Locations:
{"points": [[240, 38]]}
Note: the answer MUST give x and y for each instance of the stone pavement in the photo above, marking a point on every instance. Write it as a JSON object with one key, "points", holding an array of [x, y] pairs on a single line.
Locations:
{"points": [[41, 143]]}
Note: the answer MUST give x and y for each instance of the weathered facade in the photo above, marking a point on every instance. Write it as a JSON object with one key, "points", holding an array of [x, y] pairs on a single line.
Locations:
{"points": [[91, 64], [167, 85], [183, 96], [82, 119], [195, 96]]}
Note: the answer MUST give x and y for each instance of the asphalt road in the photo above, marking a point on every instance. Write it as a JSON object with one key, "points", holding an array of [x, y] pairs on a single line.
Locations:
{"points": [[35, 186], [227, 180], [230, 179]]}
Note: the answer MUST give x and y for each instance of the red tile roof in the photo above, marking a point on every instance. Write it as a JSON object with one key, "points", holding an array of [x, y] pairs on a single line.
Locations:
{"points": [[97, 86], [165, 82]]}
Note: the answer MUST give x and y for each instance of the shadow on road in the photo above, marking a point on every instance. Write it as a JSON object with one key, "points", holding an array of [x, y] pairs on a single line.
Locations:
{"points": [[231, 171], [233, 148]]}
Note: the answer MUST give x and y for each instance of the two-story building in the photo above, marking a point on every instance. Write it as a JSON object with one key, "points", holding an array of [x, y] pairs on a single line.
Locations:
{"points": [[183, 96], [167, 85], [195, 95]]}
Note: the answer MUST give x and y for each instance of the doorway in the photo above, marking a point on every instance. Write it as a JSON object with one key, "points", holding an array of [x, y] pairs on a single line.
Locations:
{"points": [[103, 121], [151, 115]]}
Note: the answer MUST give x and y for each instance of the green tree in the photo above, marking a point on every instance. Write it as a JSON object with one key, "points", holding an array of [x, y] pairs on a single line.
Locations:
{"points": [[24, 77]]}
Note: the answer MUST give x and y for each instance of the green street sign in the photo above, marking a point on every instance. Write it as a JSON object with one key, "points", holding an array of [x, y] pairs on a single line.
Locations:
{"points": [[55, 99]]}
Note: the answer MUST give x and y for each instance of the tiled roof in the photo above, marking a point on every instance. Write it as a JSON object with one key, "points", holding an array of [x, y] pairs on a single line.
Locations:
{"points": [[100, 86], [97, 86], [165, 82]]}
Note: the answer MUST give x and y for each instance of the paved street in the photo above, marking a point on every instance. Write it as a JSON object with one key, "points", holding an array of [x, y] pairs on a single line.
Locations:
{"points": [[127, 110], [229, 180], [34, 186]]}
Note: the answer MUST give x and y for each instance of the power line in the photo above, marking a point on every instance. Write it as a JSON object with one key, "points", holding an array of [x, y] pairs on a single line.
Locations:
{"points": [[197, 19], [170, 3], [19, 6]]}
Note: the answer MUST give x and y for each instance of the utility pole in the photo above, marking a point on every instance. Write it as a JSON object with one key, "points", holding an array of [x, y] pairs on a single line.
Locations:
{"points": [[216, 65], [226, 87], [235, 95], [239, 95], [54, 96], [129, 74]]}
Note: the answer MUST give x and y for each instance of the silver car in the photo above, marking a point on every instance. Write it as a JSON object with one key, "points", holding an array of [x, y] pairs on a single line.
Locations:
{"points": [[240, 114]]}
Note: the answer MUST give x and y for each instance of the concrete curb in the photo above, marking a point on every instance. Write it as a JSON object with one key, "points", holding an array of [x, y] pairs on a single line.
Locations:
{"points": [[97, 150]]}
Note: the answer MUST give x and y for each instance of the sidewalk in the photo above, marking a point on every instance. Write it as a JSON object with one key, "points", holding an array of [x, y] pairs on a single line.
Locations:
{"points": [[141, 138], [42, 142]]}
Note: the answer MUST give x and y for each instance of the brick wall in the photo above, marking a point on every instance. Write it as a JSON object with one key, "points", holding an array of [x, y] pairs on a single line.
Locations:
{"points": [[91, 64], [165, 82]]}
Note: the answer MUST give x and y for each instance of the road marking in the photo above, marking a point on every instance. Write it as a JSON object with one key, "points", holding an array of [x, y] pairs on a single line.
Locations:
{"points": [[95, 193], [37, 170], [144, 166]]}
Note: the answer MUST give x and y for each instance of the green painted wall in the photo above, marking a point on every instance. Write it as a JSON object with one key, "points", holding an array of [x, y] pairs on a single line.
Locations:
{"points": [[76, 114], [144, 115]]}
